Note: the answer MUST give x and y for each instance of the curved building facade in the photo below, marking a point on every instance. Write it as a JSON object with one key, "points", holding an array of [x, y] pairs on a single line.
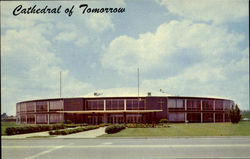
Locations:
{"points": [[146, 109]]}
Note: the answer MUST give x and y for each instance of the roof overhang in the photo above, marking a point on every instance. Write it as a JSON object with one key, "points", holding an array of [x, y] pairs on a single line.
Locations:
{"points": [[109, 111]]}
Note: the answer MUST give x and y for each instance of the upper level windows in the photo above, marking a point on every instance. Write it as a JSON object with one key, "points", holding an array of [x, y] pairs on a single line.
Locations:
{"points": [[114, 104], [193, 104], [95, 104], [207, 105], [135, 104], [176, 103], [56, 105], [41, 106]]}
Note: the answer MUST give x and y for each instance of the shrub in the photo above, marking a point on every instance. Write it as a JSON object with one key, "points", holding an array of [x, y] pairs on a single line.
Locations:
{"points": [[104, 124], [32, 128], [164, 121], [133, 125], [68, 122], [234, 114], [71, 131], [114, 128]]}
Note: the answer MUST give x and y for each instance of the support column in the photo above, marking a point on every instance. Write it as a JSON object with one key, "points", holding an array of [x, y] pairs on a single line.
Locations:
{"points": [[223, 117], [104, 105], [125, 104], [185, 105]]}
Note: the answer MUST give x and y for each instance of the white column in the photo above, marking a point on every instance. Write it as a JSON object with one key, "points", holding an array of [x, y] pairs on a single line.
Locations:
{"points": [[104, 105], [125, 104], [185, 104]]}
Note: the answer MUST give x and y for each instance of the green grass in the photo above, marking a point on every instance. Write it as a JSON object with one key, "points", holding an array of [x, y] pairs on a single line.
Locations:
{"points": [[196, 129], [5, 125]]}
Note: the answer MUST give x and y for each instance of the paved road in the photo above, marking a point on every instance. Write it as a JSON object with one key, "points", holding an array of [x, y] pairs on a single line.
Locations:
{"points": [[157, 148]]}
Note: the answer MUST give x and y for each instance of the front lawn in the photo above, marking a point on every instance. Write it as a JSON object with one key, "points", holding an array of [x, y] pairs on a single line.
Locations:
{"points": [[195, 129], [5, 124]]}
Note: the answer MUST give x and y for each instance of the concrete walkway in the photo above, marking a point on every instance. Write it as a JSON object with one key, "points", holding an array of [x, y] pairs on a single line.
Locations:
{"points": [[23, 136], [86, 134]]}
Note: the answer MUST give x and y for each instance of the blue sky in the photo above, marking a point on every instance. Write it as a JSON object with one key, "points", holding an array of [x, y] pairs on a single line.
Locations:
{"points": [[187, 48]]}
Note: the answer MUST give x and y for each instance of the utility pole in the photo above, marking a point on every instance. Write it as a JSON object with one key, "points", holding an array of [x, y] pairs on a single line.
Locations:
{"points": [[138, 82], [60, 84]]}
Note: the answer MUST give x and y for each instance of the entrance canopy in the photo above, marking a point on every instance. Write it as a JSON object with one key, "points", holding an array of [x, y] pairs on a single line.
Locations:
{"points": [[109, 111]]}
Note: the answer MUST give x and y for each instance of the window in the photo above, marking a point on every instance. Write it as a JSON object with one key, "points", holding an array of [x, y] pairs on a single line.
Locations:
{"points": [[218, 105], [226, 105], [208, 117], [56, 105], [135, 104], [95, 105], [41, 106], [18, 108], [55, 118], [193, 104], [30, 106], [115, 104], [218, 117], [41, 118], [176, 116], [194, 117], [207, 105], [176, 103], [23, 107], [30, 119]]}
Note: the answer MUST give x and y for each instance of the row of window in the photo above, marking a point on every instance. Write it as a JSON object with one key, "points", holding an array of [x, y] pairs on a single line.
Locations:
{"points": [[116, 104], [41, 118], [196, 104], [196, 117], [39, 106], [131, 104]]}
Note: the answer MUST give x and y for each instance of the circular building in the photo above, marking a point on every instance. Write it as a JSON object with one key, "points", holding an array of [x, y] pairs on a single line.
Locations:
{"points": [[147, 109]]}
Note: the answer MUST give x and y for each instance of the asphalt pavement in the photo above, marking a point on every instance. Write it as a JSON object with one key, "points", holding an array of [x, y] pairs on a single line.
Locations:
{"points": [[129, 148]]}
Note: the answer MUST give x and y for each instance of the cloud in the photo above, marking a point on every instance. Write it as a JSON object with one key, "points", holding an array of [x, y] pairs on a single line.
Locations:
{"points": [[99, 22], [194, 59], [217, 11], [177, 44], [30, 66]]}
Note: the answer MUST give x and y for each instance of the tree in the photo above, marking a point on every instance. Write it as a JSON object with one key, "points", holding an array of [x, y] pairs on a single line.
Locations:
{"points": [[234, 114]]}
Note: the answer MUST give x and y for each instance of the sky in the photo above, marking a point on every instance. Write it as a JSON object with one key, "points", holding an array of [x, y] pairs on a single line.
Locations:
{"points": [[186, 48]]}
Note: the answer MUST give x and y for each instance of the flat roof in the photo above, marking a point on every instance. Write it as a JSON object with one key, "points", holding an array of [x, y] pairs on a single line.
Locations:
{"points": [[123, 97]]}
